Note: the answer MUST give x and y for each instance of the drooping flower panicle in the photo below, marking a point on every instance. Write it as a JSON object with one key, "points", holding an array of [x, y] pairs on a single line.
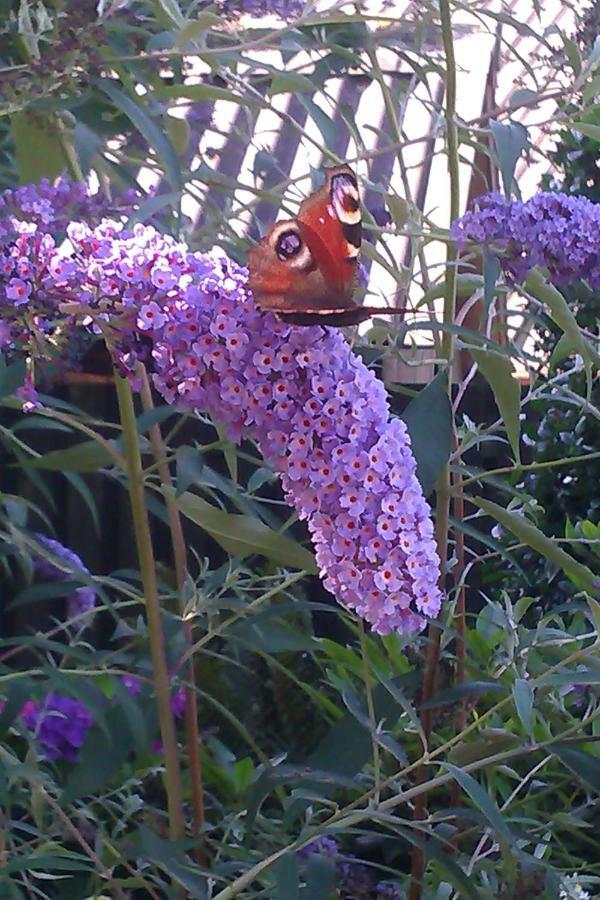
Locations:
{"points": [[318, 414], [554, 230]]}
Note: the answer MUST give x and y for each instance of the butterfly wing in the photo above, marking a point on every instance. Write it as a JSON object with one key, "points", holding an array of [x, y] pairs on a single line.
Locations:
{"points": [[308, 266]]}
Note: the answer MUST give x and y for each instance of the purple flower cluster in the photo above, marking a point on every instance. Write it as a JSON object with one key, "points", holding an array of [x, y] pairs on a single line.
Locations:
{"points": [[59, 724], [353, 880], [319, 415], [134, 685], [553, 230], [34, 274], [53, 205], [285, 9], [80, 600]]}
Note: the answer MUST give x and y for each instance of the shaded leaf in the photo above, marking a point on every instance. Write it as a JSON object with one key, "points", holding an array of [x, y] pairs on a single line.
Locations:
{"points": [[290, 82], [531, 535], [39, 151], [198, 26], [510, 141], [189, 463], [287, 877], [491, 274], [428, 418], [482, 801], [88, 456], [583, 765], [523, 697], [148, 128], [242, 535], [592, 131], [320, 877], [498, 372], [11, 377]]}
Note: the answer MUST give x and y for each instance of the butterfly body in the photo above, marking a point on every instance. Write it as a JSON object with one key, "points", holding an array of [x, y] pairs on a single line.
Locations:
{"points": [[306, 269]]}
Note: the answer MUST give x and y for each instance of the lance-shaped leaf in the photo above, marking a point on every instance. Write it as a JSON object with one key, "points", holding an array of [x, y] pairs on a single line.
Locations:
{"points": [[498, 372]]}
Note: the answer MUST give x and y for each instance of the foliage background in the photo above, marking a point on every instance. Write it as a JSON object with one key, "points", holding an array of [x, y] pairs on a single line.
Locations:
{"points": [[308, 724]]}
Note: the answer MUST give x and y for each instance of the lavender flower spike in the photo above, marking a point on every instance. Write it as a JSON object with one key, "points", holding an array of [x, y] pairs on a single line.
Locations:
{"points": [[557, 231], [318, 414]]}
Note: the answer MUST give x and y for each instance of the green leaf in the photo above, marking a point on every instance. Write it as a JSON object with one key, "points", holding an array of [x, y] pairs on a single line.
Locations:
{"points": [[321, 119], [148, 128], [591, 90], [88, 456], [595, 612], [560, 313], [290, 83], [572, 54], [172, 11], [320, 877], [243, 535], [498, 372], [591, 131], [189, 463], [146, 420], [491, 274], [428, 418], [229, 452], [11, 377], [103, 754], [583, 765], [199, 92], [203, 22], [286, 877], [510, 141], [523, 697], [482, 801], [170, 858], [39, 148], [529, 534]]}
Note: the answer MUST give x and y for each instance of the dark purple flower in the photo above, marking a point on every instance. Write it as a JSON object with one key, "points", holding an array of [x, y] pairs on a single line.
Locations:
{"points": [[285, 9], [82, 599], [553, 230], [59, 725], [327, 846], [386, 891], [134, 685]]}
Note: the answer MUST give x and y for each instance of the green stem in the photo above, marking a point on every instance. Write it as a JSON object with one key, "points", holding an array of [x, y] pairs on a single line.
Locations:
{"points": [[147, 565], [371, 711], [532, 467], [444, 490], [181, 572]]}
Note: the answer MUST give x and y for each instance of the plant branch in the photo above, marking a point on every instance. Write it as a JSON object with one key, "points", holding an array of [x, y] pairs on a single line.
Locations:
{"points": [[147, 565], [181, 572], [444, 485]]}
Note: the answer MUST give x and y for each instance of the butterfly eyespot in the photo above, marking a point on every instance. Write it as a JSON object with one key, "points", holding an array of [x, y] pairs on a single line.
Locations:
{"points": [[289, 244]]}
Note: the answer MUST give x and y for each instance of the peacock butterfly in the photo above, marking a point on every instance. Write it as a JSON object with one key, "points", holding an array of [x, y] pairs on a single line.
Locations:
{"points": [[305, 269]]}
